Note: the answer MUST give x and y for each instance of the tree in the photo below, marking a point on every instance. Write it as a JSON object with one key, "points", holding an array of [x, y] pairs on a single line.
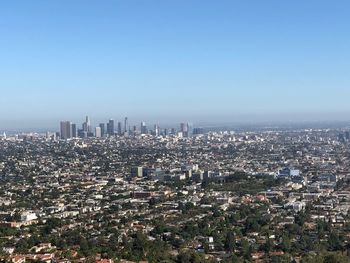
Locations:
{"points": [[139, 246], [268, 246], [158, 252], [334, 242], [280, 259], [84, 246], [326, 258], [190, 257], [286, 244], [229, 242], [246, 249], [22, 246], [235, 259]]}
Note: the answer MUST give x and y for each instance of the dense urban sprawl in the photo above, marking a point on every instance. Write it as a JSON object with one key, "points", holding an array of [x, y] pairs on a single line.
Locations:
{"points": [[269, 196]]}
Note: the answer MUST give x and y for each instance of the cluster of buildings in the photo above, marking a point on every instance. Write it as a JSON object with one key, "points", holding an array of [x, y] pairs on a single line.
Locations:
{"points": [[69, 130]]}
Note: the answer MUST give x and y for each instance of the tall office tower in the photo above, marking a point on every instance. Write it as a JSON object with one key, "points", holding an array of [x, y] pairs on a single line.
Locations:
{"points": [[143, 128], [165, 132], [84, 127], [189, 129], [98, 132], [74, 130], [88, 124], [81, 133], [110, 127], [126, 125], [103, 131], [184, 129], [136, 171], [156, 130], [120, 128], [66, 129]]}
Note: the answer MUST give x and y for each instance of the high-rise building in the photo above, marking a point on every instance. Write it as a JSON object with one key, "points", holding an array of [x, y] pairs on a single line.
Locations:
{"points": [[74, 130], [103, 131], [184, 129], [189, 129], [87, 125], [66, 129], [98, 132], [136, 172], [156, 130], [81, 133], [110, 127], [120, 132], [125, 125], [143, 128]]}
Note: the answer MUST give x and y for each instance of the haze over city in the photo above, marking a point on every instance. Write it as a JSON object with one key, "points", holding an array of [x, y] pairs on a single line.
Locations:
{"points": [[167, 61]]}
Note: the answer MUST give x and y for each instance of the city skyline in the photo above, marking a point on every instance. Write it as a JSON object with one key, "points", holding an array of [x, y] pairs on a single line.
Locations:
{"points": [[69, 130], [167, 61], [238, 122]]}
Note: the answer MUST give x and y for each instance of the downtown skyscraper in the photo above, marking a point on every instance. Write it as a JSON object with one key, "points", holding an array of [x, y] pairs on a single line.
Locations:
{"points": [[65, 130], [120, 130], [87, 125], [125, 125], [143, 128], [110, 127]]}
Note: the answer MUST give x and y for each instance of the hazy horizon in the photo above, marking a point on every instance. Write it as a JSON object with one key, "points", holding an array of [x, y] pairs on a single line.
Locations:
{"points": [[236, 120]]}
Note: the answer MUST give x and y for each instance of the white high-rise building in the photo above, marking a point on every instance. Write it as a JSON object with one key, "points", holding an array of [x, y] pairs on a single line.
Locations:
{"points": [[98, 132], [156, 130]]}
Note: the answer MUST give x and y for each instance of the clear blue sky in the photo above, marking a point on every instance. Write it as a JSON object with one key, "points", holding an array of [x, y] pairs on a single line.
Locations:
{"points": [[173, 59]]}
